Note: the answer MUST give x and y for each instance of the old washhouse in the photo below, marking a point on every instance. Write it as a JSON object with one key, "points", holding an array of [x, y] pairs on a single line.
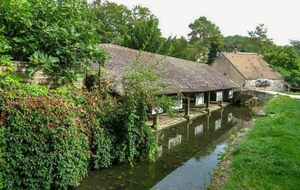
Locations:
{"points": [[199, 87]]}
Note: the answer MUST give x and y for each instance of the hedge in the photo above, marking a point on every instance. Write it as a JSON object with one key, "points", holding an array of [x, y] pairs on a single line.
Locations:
{"points": [[50, 141], [42, 146]]}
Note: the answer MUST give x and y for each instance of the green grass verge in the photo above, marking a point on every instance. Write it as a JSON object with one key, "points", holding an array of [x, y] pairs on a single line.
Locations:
{"points": [[269, 156]]}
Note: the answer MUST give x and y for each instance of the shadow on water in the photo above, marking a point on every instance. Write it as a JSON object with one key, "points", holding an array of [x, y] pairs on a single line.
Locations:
{"points": [[187, 155]]}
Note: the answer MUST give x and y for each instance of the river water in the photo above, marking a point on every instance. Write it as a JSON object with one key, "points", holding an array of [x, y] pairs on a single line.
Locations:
{"points": [[187, 156]]}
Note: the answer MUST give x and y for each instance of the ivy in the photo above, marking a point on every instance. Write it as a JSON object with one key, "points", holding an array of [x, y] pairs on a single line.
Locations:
{"points": [[42, 146]]}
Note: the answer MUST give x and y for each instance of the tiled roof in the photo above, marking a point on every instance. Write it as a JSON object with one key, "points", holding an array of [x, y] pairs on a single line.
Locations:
{"points": [[252, 66]]}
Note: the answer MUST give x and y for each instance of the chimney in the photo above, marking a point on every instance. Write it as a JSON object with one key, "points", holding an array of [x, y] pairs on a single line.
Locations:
{"points": [[235, 50]]}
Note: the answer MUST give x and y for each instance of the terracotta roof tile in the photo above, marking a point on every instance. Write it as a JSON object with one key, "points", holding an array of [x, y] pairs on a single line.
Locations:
{"points": [[252, 66]]}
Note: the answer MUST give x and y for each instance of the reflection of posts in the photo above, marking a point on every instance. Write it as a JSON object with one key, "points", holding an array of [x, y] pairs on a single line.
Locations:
{"points": [[187, 108], [187, 131], [208, 101], [208, 117]]}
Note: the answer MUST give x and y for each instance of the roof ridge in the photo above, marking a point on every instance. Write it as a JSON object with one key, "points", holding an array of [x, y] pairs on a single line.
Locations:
{"points": [[242, 53], [150, 53]]}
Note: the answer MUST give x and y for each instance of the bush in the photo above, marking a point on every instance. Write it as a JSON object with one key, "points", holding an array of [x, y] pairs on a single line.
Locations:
{"points": [[1, 155], [42, 146], [102, 148], [117, 131], [58, 37]]}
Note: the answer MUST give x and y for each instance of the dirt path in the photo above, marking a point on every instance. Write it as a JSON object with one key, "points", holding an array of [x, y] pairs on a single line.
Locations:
{"points": [[280, 93]]}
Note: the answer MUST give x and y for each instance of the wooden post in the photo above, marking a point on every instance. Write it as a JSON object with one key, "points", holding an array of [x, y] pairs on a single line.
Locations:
{"points": [[187, 107], [156, 121], [208, 101], [221, 102]]}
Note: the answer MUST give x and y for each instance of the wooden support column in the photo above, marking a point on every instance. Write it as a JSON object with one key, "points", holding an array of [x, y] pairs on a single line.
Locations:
{"points": [[187, 107], [156, 121], [221, 103], [208, 101]]}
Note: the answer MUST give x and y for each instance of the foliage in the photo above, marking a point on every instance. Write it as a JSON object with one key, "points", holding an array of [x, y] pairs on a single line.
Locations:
{"points": [[259, 38], [281, 56], [6, 69], [296, 45], [241, 43], [43, 148], [144, 34], [268, 158], [135, 28], [1, 155], [206, 40], [57, 36], [254, 42], [112, 21], [286, 61]]}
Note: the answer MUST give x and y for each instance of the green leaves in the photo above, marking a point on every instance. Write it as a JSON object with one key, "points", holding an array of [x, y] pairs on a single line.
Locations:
{"points": [[206, 40], [61, 32], [41, 146], [286, 61]]}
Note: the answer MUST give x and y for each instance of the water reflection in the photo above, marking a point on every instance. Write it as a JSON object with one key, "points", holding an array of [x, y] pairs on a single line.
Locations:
{"points": [[187, 154]]}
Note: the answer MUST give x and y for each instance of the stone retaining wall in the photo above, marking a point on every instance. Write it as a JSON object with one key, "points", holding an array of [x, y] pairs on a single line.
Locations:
{"points": [[40, 77]]}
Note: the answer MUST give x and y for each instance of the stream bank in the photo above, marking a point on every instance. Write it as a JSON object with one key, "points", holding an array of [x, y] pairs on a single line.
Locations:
{"points": [[267, 157]]}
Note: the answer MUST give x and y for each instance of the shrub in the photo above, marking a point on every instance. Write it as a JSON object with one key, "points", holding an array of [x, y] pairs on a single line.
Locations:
{"points": [[1, 155], [102, 148], [58, 37], [42, 146]]}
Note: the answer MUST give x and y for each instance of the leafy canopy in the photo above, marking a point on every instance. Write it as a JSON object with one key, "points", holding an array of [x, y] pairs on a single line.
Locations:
{"points": [[206, 40], [58, 37]]}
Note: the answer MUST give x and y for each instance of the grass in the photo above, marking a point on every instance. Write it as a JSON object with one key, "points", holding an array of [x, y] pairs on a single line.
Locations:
{"points": [[269, 156], [293, 93]]}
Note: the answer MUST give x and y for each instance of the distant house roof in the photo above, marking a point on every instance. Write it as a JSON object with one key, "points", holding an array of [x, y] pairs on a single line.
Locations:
{"points": [[180, 76], [252, 66]]}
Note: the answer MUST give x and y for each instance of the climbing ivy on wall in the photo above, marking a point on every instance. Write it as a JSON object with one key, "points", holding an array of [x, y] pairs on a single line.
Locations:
{"points": [[42, 147]]}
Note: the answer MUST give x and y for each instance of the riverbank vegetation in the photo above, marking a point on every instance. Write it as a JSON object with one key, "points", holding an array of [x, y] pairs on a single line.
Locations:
{"points": [[51, 138], [268, 158]]}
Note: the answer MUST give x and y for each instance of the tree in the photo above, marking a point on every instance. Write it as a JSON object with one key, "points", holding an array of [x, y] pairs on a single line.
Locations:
{"points": [[6, 68], [144, 33], [296, 45], [112, 21], [57, 37], [281, 56], [206, 40], [286, 61], [259, 37], [241, 43]]}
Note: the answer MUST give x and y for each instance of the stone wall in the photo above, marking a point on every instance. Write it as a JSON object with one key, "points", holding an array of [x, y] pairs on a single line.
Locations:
{"points": [[40, 77], [275, 85], [241, 97], [223, 66]]}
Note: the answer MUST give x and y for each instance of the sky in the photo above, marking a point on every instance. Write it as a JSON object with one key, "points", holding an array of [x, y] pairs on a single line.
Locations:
{"points": [[281, 17]]}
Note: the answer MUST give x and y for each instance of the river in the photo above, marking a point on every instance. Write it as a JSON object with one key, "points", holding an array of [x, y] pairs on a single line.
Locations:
{"points": [[187, 156]]}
